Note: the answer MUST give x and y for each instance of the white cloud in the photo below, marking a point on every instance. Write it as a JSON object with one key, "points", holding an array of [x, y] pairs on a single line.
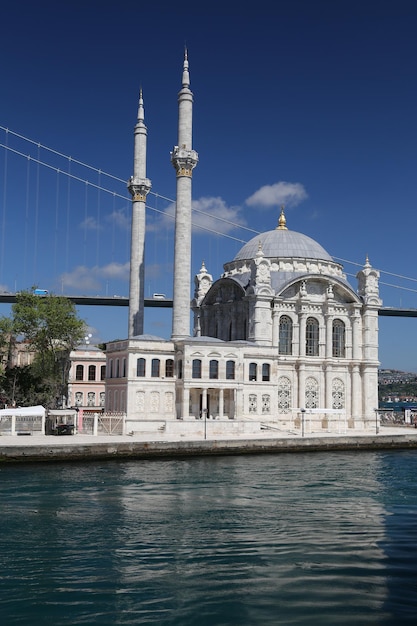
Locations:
{"points": [[289, 194], [210, 214], [120, 271], [120, 219], [90, 223], [89, 279]]}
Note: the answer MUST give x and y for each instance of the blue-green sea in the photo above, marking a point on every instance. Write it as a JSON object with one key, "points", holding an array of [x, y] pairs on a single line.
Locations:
{"points": [[290, 538]]}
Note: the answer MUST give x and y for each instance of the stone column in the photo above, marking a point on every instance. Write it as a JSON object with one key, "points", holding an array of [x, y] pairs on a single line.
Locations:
{"points": [[302, 334], [184, 159], [139, 187], [221, 403], [185, 403]]}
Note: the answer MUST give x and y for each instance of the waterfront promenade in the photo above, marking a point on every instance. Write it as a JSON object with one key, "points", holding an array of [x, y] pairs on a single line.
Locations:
{"points": [[87, 447]]}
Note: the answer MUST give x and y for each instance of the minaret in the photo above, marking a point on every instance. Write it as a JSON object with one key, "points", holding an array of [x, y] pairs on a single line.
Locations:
{"points": [[139, 187], [184, 160]]}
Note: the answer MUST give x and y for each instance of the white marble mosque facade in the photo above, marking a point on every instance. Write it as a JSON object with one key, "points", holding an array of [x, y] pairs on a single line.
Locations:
{"points": [[280, 335]]}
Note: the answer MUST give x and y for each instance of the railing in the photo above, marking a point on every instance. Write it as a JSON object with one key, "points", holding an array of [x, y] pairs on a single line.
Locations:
{"points": [[21, 425], [103, 424]]}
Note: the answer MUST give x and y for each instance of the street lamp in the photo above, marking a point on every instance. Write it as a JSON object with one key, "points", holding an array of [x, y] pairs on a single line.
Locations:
{"points": [[303, 411]]}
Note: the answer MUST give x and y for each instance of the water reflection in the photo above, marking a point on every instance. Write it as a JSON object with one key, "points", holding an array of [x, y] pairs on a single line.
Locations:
{"points": [[271, 539]]}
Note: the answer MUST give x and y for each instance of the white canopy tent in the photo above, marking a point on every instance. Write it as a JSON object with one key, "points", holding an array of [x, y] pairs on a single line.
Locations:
{"points": [[24, 410], [26, 417]]}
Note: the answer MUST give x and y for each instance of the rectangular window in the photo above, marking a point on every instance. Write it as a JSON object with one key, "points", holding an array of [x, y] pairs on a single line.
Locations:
{"points": [[79, 372], [230, 370], [214, 369], [140, 367], [266, 368], [169, 368], [155, 368], [252, 371], [91, 372], [196, 373]]}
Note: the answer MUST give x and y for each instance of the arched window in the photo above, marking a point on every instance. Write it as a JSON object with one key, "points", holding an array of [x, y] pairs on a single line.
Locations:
{"points": [[338, 338], [111, 369], [156, 363], [117, 368], [91, 398], [214, 369], [196, 373], [179, 366], [79, 372], [253, 403], [311, 393], [140, 367], [103, 372], [252, 371], [285, 335], [124, 368], [266, 403], [338, 394], [266, 369], [230, 370], [284, 395], [91, 372], [312, 337], [169, 368]]}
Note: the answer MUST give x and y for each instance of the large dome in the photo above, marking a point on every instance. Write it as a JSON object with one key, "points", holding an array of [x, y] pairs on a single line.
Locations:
{"points": [[281, 243]]}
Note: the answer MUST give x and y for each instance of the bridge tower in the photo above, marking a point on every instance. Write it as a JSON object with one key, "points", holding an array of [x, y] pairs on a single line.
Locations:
{"points": [[139, 187], [184, 159]]}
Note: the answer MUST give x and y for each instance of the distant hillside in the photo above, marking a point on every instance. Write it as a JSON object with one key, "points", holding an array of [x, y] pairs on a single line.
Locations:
{"points": [[394, 384]]}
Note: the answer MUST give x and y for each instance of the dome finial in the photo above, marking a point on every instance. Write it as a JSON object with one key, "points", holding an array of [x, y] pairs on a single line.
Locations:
{"points": [[282, 221]]}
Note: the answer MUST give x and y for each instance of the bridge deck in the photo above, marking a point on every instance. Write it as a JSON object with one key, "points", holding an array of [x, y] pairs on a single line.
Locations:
{"points": [[166, 303]]}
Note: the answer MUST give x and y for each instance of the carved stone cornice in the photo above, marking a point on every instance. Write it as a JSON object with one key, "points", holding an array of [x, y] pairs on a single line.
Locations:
{"points": [[139, 188], [184, 161]]}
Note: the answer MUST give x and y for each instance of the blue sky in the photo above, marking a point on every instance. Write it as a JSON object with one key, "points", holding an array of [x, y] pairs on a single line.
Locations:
{"points": [[308, 103]]}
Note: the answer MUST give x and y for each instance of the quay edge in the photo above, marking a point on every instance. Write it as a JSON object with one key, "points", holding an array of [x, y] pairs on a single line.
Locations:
{"points": [[130, 450]]}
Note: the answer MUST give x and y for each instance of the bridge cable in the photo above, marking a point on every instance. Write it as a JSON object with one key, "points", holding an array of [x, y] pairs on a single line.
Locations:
{"points": [[125, 197]]}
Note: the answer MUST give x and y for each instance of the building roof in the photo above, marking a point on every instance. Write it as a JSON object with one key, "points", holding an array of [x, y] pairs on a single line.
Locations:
{"points": [[283, 244]]}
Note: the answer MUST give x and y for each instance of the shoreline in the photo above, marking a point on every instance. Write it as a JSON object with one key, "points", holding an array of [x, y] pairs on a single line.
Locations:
{"points": [[49, 448]]}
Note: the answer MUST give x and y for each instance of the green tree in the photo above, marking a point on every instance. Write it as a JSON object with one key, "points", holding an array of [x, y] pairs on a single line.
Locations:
{"points": [[52, 328], [20, 386], [6, 341]]}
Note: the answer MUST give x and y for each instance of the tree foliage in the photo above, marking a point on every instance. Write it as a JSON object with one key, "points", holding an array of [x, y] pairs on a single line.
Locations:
{"points": [[51, 328], [6, 341]]}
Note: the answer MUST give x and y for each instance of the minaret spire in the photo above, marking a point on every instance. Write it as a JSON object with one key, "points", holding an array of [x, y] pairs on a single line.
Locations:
{"points": [[282, 221], [184, 159], [139, 187], [185, 72]]}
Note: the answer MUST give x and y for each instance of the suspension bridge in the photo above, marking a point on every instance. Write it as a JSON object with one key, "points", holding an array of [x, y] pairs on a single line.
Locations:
{"points": [[65, 226]]}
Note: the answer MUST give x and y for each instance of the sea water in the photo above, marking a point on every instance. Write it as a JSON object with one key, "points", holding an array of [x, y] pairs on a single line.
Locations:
{"points": [[288, 538]]}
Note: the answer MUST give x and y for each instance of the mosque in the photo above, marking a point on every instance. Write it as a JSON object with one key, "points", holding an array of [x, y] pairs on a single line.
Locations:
{"points": [[279, 336]]}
